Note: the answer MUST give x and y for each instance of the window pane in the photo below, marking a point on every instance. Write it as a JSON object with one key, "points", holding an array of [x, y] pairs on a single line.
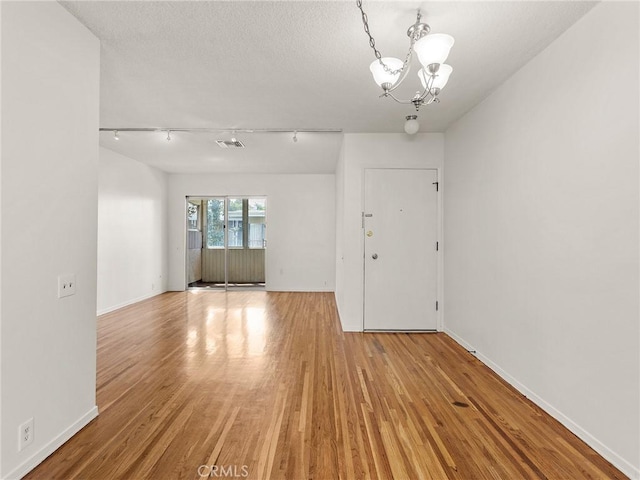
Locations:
{"points": [[257, 225], [235, 222], [215, 223]]}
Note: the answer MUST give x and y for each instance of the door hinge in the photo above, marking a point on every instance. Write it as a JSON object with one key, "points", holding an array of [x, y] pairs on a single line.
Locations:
{"points": [[437, 246], [436, 306], [437, 186]]}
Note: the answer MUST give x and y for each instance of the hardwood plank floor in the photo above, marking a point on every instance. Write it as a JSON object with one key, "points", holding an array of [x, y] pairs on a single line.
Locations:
{"points": [[265, 385]]}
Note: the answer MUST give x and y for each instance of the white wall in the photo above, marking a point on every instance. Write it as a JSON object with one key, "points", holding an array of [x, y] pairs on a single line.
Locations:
{"points": [[50, 91], [360, 151], [541, 231], [132, 231], [300, 225]]}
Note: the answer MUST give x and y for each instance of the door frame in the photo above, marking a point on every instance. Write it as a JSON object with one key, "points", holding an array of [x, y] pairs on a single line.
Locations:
{"points": [[439, 237]]}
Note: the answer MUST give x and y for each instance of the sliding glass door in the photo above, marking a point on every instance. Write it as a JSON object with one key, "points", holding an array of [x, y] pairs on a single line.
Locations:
{"points": [[233, 246]]}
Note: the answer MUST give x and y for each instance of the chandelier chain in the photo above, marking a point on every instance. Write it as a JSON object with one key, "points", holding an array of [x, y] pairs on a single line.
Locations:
{"points": [[372, 44]]}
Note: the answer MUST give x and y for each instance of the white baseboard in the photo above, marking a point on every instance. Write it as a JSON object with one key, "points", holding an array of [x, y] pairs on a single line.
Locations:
{"points": [[112, 308], [620, 463], [280, 288], [34, 460]]}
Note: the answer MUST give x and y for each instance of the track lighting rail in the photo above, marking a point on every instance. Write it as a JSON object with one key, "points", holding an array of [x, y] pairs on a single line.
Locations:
{"points": [[225, 130]]}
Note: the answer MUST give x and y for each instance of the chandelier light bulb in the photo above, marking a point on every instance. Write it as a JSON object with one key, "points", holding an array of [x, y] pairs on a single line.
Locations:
{"points": [[411, 126]]}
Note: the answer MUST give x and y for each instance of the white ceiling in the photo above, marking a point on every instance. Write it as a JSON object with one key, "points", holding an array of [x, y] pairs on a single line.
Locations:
{"points": [[291, 65]]}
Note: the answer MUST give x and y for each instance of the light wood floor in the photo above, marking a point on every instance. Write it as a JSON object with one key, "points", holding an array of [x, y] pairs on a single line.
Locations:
{"points": [[265, 385]]}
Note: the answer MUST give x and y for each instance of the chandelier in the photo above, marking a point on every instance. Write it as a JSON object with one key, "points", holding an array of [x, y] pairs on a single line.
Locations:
{"points": [[432, 50]]}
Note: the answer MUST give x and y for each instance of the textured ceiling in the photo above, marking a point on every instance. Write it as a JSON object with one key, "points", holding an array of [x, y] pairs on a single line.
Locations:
{"points": [[292, 65]]}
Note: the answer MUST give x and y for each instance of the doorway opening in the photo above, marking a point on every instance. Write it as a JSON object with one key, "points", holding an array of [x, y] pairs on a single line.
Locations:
{"points": [[226, 242]]}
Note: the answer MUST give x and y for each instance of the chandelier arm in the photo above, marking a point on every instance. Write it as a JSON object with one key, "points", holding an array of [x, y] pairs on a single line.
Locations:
{"points": [[388, 94], [427, 90], [419, 98]]}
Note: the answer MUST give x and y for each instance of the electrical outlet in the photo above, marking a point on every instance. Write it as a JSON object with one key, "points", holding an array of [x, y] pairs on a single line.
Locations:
{"points": [[25, 434], [66, 285]]}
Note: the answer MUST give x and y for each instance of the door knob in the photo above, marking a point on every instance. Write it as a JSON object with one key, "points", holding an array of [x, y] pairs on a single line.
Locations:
{"points": [[374, 256]]}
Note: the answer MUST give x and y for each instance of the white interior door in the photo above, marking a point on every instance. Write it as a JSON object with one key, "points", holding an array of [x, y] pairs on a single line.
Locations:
{"points": [[400, 235]]}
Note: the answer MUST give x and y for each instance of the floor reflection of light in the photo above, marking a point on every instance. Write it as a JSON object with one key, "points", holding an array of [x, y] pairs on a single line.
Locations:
{"points": [[192, 348], [226, 329], [255, 320], [212, 313], [211, 344], [231, 332], [192, 338], [256, 327]]}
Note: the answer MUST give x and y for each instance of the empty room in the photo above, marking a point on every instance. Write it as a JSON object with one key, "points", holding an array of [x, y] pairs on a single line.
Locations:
{"points": [[320, 239]]}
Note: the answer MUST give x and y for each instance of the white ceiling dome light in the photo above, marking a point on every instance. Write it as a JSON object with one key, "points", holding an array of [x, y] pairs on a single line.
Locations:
{"points": [[411, 126]]}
